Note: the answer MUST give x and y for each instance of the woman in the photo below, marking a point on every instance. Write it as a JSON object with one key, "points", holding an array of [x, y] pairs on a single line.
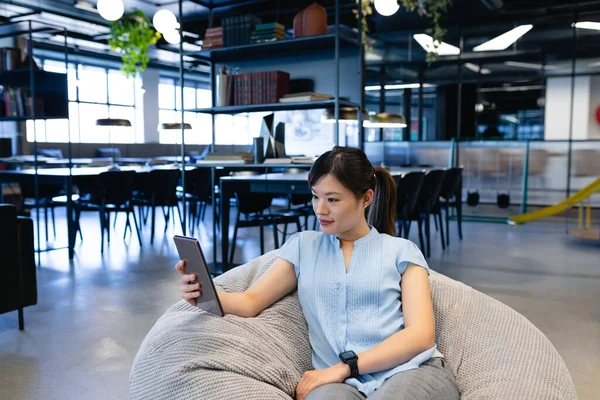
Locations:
{"points": [[364, 292]]}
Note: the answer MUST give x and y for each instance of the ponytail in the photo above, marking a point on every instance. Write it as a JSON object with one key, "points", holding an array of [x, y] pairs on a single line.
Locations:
{"points": [[382, 211]]}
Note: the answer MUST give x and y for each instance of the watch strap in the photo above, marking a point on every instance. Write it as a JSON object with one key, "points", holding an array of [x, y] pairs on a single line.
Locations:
{"points": [[353, 364]]}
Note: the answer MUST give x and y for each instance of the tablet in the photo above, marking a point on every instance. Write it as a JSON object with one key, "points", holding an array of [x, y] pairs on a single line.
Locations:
{"points": [[189, 250]]}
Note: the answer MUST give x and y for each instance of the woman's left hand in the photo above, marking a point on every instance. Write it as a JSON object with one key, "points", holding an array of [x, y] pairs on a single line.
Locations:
{"points": [[313, 379]]}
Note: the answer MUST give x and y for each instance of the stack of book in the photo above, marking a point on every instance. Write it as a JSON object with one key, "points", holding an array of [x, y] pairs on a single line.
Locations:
{"points": [[269, 32], [304, 96], [227, 158], [213, 38]]}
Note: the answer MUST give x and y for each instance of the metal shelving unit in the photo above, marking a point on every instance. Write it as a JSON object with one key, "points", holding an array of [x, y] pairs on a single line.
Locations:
{"points": [[342, 37], [45, 85]]}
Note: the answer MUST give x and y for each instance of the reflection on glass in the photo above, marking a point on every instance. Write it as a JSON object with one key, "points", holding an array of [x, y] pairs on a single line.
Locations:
{"points": [[120, 88], [123, 135], [57, 130], [92, 84], [89, 132], [39, 133]]}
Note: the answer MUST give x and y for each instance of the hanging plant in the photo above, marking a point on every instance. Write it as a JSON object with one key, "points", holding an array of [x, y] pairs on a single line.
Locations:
{"points": [[432, 9], [131, 36]]}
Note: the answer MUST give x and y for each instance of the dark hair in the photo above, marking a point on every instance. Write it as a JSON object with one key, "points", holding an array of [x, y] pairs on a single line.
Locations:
{"points": [[351, 167]]}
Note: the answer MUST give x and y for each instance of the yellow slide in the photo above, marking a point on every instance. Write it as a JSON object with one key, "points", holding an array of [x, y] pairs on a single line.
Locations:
{"points": [[558, 208]]}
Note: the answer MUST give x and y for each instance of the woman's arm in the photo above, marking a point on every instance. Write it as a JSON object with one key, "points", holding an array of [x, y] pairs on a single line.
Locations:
{"points": [[418, 334], [278, 281]]}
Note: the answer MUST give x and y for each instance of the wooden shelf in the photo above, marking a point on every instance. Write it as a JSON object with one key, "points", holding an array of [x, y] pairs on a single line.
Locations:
{"points": [[348, 38], [301, 105]]}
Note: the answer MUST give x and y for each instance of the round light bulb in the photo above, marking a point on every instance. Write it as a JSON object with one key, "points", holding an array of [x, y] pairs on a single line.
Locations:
{"points": [[386, 7], [172, 36], [165, 21], [111, 10]]}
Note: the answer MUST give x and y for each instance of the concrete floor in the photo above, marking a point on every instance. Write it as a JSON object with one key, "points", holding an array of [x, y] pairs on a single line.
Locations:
{"points": [[81, 338]]}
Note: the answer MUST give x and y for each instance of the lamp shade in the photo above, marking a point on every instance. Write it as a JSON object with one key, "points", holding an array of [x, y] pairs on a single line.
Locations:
{"points": [[346, 114], [113, 122], [173, 125], [385, 120]]}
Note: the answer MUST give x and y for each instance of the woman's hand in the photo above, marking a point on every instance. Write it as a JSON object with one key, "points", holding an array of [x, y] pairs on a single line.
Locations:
{"points": [[189, 291], [313, 379]]}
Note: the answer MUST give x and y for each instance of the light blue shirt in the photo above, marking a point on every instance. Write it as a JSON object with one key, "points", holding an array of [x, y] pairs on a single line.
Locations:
{"points": [[356, 310]]}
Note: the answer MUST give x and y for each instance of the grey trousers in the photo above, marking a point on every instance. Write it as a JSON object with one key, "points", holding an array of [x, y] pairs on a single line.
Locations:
{"points": [[432, 380]]}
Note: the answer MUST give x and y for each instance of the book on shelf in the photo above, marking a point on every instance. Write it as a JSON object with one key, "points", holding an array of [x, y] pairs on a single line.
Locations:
{"points": [[213, 38], [290, 160], [263, 87], [304, 96], [240, 158], [303, 159], [282, 160], [211, 162], [237, 29]]}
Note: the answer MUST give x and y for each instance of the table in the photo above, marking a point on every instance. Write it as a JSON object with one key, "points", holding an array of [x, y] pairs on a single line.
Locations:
{"points": [[276, 183], [64, 177]]}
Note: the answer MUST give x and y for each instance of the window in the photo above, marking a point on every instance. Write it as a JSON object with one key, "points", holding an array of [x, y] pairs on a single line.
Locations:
{"points": [[169, 103], [94, 92]]}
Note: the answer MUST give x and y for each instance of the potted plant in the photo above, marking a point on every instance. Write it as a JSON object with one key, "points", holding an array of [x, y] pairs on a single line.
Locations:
{"points": [[131, 36], [432, 9]]}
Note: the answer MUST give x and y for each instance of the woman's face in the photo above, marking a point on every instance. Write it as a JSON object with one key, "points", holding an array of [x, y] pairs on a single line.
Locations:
{"points": [[336, 207]]}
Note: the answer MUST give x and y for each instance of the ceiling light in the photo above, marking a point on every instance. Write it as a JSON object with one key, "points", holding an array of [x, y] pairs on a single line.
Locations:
{"points": [[519, 64], [111, 10], [386, 7], [477, 69], [172, 36], [503, 41], [588, 25], [165, 21], [442, 49]]}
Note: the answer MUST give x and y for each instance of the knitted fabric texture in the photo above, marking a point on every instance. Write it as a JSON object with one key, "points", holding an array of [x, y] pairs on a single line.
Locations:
{"points": [[494, 352]]}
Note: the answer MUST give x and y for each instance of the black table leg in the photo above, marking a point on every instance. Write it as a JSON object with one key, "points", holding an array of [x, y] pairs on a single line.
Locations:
{"points": [[71, 231], [226, 194], [214, 214]]}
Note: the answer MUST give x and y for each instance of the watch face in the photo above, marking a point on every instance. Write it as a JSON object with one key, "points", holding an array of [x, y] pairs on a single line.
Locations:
{"points": [[348, 355]]}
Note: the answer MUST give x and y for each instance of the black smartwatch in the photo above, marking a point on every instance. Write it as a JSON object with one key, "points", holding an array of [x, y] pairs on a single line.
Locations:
{"points": [[351, 359]]}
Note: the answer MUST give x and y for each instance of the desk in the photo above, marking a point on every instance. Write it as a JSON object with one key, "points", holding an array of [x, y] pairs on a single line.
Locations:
{"points": [[279, 183]]}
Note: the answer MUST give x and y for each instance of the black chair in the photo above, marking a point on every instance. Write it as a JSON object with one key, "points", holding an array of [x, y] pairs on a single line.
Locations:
{"points": [[105, 152], [46, 192], [299, 204], [428, 200], [197, 194], [18, 287], [408, 189], [451, 196], [159, 190], [109, 192], [252, 207]]}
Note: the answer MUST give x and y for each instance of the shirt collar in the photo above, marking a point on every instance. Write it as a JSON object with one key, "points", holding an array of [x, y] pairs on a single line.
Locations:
{"points": [[358, 242]]}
